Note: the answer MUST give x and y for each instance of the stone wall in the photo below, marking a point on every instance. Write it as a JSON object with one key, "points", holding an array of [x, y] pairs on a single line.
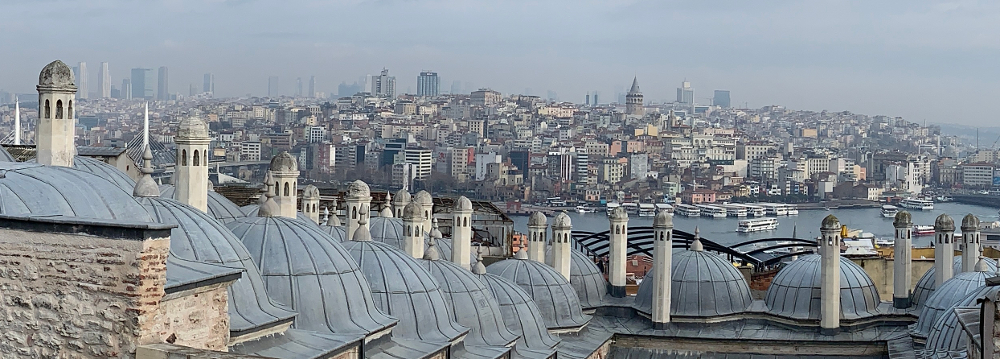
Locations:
{"points": [[881, 271], [197, 319]]}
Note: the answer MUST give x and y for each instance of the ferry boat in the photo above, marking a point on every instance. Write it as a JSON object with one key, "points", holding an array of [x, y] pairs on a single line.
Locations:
{"points": [[664, 207], [756, 211], [775, 209], [585, 209], [631, 208], [756, 225], [647, 210], [889, 211], [611, 207], [916, 203], [791, 210], [919, 230], [708, 210], [687, 210], [735, 210]]}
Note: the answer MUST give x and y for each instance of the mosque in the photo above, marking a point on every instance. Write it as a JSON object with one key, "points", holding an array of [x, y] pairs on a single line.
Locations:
{"points": [[94, 264]]}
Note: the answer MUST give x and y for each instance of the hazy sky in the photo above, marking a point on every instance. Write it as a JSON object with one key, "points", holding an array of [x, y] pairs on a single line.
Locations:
{"points": [[924, 60]]}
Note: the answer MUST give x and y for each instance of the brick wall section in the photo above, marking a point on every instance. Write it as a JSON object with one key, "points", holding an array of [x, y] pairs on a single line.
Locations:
{"points": [[199, 319], [76, 296]]}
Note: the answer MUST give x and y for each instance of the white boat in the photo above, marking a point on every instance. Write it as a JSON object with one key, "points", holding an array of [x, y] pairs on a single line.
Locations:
{"points": [[756, 225], [631, 208], [791, 210], [774, 209], [708, 210], [756, 211], [735, 210], [687, 210], [585, 209], [664, 207], [611, 206], [889, 211], [647, 210], [916, 203], [922, 230]]}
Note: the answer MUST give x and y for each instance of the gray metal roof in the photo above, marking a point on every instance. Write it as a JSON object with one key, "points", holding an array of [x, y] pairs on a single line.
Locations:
{"points": [[6, 156], [219, 206], [586, 279], [338, 233], [945, 298], [104, 170], [520, 313], [387, 230], [551, 292], [470, 304], [30, 188], [301, 264], [794, 292], [182, 273], [91, 151], [695, 276], [926, 283], [250, 210], [399, 348], [297, 344], [403, 289], [947, 334], [199, 237]]}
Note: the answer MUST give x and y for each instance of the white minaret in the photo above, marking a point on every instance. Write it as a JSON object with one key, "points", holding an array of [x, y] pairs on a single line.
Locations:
{"points": [[461, 233], [358, 205], [663, 230], [17, 122], [386, 211], [617, 251], [944, 249], [191, 169], [285, 169], [413, 234], [971, 247], [55, 134], [424, 199], [562, 229], [538, 227], [829, 318], [902, 263], [399, 202], [310, 202]]}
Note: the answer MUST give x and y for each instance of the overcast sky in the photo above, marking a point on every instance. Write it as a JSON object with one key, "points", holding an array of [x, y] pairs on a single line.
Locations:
{"points": [[923, 60]]}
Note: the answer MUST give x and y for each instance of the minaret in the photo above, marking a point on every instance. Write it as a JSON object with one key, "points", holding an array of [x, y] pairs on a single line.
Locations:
{"points": [[424, 199], [17, 122], [663, 230], [617, 251], [413, 234], [191, 169], [310, 202], [55, 133], [902, 263], [386, 211], [461, 233], [285, 169], [633, 100], [537, 228], [829, 318], [944, 249], [562, 229], [358, 200], [971, 246], [399, 202]]}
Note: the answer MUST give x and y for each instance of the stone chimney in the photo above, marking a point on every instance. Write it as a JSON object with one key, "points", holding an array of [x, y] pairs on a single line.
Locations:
{"points": [[618, 251], [538, 228], [902, 263], [829, 320], [461, 233], [944, 249], [562, 242], [971, 246], [663, 230]]}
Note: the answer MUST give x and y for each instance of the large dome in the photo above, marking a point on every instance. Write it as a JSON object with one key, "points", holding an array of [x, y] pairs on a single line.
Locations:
{"points": [[927, 282], [947, 334], [943, 299], [29, 188], [250, 210], [219, 206], [338, 233], [387, 230], [552, 293], [694, 276], [586, 279], [795, 291], [300, 264], [102, 170], [520, 313]]}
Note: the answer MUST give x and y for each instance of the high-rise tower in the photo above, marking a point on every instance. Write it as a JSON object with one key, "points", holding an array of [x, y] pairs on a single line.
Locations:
{"points": [[81, 80], [633, 100], [104, 81], [162, 85]]}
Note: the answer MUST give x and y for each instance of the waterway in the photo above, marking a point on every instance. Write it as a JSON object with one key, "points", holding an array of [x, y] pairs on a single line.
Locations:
{"points": [[805, 224]]}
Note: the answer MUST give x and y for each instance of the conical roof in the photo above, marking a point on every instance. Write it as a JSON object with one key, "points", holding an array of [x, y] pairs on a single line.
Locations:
{"points": [[635, 85]]}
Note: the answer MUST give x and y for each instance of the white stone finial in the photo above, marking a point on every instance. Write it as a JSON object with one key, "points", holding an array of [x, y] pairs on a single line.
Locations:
{"points": [[696, 244], [17, 121]]}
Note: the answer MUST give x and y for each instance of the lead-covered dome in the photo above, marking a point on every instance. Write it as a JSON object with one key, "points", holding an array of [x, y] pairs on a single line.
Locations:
{"points": [[944, 298], [284, 162], [946, 334], [311, 273], [387, 230], [552, 293], [31, 188], [694, 276], [102, 170], [56, 75], [251, 210], [795, 291], [520, 313], [219, 207], [587, 280], [926, 284]]}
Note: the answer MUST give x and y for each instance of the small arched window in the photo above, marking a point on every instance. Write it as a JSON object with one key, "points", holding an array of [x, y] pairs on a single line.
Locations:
{"points": [[48, 109], [407, 231], [286, 189], [354, 212], [184, 157], [59, 109], [197, 159], [465, 222], [427, 214], [69, 110]]}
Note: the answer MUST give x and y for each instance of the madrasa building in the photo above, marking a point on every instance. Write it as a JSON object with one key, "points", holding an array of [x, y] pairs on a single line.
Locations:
{"points": [[96, 265]]}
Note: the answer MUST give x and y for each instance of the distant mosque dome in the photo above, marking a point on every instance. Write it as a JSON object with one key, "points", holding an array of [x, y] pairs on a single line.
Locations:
{"points": [[945, 297], [551, 292], [926, 284], [219, 206], [30, 188], [694, 276], [585, 277], [794, 292]]}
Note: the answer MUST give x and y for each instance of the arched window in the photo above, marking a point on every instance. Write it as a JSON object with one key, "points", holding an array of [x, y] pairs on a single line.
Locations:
{"points": [[59, 109], [184, 157], [406, 231], [354, 212], [69, 110], [465, 221], [286, 189], [48, 109], [427, 214], [197, 159]]}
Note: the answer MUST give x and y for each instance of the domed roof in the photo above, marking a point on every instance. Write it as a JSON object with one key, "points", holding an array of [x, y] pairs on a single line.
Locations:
{"points": [[310, 191], [423, 198], [402, 197], [970, 223], [943, 222], [284, 162], [405, 290], [947, 334], [902, 220], [31, 188], [192, 128], [926, 284], [519, 312], [413, 211], [358, 189], [663, 219], [537, 219], [105, 171], [950, 293], [6, 156], [200, 238], [618, 214], [387, 230], [338, 233], [300, 264], [251, 210], [694, 276], [56, 75], [463, 203], [219, 207], [562, 221], [794, 292], [552, 293], [586, 279], [470, 303], [830, 222]]}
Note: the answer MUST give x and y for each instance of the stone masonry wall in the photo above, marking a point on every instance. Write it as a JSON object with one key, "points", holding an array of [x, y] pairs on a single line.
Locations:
{"points": [[199, 320], [77, 296]]}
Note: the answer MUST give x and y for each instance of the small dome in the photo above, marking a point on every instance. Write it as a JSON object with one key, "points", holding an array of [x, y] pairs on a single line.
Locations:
{"points": [[970, 223], [219, 206], [463, 203], [56, 75], [537, 219], [470, 304], [310, 192], [338, 233], [944, 223], [562, 221], [284, 162], [947, 335], [618, 214], [402, 198], [663, 220], [104, 170], [251, 210], [424, 198], [902, 220], [950, 293], [830, 222], [31, 188], [413, 212], [192, 128], [555, 297], [695, 275], [300, 264], [926, 284], [387, 230], [358, 190], [586, 279], [403, 289], [520, 313], [794, 292]]}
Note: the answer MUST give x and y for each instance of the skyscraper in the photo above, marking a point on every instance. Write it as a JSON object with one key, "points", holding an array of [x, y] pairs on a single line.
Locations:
{"points": [[81, 81], [192, 90], [126, 90], [104, 81], [209, 85], [298, 87], [427, 84], [272, 86], [384, 85], [721, 98], [312, 86], [685, 94], [142, 84], [162, 90]]}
